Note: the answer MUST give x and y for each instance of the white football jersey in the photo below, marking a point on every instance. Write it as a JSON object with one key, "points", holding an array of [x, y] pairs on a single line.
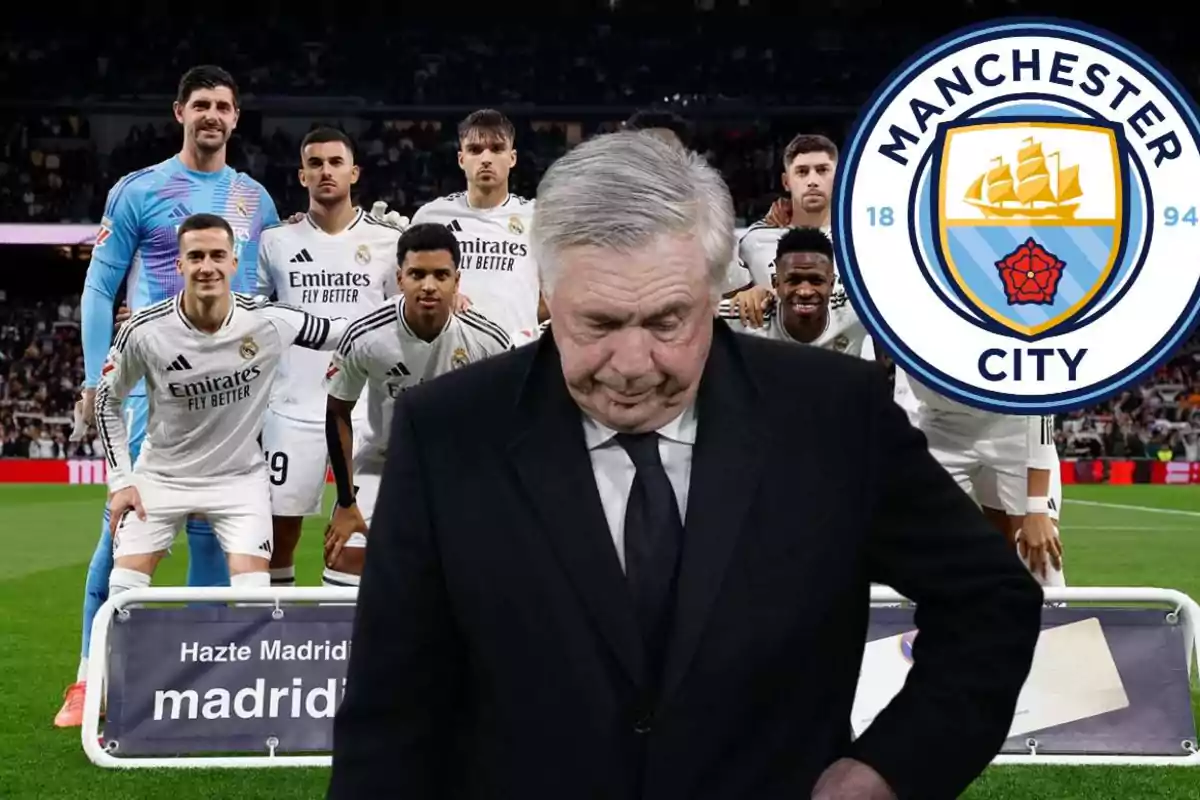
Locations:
{"points": [[960, 420], [344, 274], [756, 252], [843, 330], [208, 391], [498, 272], [381, 353]]}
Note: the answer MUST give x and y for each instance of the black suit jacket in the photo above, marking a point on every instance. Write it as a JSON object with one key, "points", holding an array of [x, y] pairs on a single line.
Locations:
{"points": [[496, 654]]}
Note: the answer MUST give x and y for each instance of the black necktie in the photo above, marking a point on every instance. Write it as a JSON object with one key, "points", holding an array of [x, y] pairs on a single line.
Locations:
{"points": [[653, 542]]}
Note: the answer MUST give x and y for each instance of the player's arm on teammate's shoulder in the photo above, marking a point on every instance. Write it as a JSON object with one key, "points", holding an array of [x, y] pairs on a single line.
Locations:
{"points": [[728, 311], [297, 326], [344, 382], [977, 607], [753, 304], [112, 255], [780, 213], [381, 212]]}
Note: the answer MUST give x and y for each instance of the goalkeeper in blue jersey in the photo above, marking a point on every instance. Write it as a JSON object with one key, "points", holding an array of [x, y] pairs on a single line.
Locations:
{"points": [[137, 245]]}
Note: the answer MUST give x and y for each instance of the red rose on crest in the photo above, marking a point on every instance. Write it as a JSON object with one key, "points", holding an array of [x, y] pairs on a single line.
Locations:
{"points": [[1030, 274]]}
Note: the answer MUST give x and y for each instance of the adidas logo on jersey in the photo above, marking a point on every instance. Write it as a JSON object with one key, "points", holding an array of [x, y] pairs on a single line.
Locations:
{"points": [[179, 363], [454, 226], [398, 371], [301, 258]]}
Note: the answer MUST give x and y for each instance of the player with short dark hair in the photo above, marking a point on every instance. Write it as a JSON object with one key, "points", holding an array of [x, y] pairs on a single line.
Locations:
{"points": [[498, 274], [137, 241], [335, 261], [326, 134], [411, 339], [801, 311]]}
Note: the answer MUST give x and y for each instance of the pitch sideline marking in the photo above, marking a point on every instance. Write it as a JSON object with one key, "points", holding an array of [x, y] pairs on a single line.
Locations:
{"points": [[1151, 509]]}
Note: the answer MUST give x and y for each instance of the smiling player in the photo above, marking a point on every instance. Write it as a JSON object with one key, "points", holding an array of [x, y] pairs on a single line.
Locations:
{"points": [[804, 280]]}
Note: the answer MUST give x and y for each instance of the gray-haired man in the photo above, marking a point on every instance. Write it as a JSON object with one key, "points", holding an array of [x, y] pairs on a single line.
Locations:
{"points": [[633, 560]]}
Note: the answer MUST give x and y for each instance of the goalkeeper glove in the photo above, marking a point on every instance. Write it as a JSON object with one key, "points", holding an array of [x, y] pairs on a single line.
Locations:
{"points": [[380, 212]]}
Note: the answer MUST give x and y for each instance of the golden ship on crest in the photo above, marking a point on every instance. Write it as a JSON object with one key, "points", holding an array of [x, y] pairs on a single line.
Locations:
{"points": [[1033, 193]]}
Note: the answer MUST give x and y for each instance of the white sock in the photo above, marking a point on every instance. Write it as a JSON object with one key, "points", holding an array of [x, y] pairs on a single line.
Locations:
{"points": [[283, 576], [250, 580], [338, 580], [121, 580], [81, 675]]}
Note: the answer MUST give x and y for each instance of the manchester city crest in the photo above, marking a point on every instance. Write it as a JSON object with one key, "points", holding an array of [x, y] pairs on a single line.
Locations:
{"points": [[248, 349], [1017, 213]]}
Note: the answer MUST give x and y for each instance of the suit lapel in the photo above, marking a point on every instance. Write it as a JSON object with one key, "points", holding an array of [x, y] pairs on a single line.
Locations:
{"points": [[726, 463], [551, 458]]}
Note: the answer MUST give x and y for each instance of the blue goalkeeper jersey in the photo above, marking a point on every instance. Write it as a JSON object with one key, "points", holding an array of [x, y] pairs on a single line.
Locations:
{"points": [[137, 242]]}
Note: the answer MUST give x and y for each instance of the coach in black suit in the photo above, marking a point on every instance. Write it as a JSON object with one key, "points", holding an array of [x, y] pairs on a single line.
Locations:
{"points": [[633, 560]]}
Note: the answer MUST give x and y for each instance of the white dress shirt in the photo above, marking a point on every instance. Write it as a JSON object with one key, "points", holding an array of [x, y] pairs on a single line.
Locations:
{"points": [[614, 469]]}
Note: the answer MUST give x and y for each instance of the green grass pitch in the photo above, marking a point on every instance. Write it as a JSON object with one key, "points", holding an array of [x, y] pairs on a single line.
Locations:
{"points": [[1134, 536]]}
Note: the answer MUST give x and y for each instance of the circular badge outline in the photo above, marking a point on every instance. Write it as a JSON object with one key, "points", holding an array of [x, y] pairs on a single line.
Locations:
{"points": [[1070, 30]]}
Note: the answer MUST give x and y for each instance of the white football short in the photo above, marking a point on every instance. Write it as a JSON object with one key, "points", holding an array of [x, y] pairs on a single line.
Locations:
{"points": [[990, 463], [367, 486], [988, 491], [239, 510], [297, 460]]}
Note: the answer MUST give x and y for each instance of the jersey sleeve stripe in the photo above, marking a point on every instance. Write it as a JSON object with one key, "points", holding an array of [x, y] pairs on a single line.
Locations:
{"points": [[154, 312], [320, 331], [359, 330], [307, 329], [485, 322], [489, 331], [102, 426]]}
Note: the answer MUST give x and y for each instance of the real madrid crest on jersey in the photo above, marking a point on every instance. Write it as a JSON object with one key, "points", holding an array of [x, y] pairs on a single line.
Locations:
{"points": [[515, 226], [458, 358], [249, 349], [363, 255], [1017, 211]]}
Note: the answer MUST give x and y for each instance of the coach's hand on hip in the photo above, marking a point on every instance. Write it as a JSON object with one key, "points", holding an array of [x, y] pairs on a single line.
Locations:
{"points": [[847, 779], [633, 560]]}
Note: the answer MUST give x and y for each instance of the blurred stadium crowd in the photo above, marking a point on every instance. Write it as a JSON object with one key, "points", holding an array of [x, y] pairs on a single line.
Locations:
{"points": [[745, 84]]}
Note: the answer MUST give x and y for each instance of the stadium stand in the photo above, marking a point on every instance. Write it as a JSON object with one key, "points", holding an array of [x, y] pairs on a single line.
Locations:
{"points": [[60, 150]]}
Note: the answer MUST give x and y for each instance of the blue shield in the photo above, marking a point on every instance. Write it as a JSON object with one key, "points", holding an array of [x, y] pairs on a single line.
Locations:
{"points": [[1030, 218]]}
